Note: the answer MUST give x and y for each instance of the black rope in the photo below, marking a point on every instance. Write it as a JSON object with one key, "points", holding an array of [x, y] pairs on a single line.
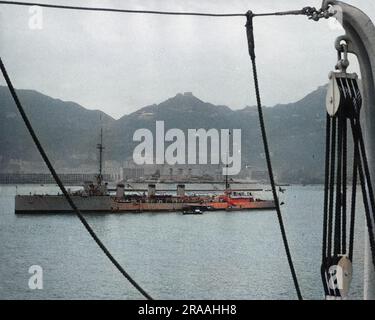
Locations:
{"points": [[366, 188], [335, 244], [366, 166], [250, 36], [331, 186], [362, 180], [61, 186], [327, 261], [326, 180], [357, 100], [351, 114], [337, 236], [353, 99], [353, 200], [344, 183], [325, 205]]}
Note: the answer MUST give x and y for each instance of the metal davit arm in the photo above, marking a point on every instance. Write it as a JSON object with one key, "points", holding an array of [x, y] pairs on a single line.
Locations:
{"points": [[360, 37]]}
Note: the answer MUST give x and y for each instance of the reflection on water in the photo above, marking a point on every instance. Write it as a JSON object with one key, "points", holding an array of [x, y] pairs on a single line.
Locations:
{"points": [[217, 255]]}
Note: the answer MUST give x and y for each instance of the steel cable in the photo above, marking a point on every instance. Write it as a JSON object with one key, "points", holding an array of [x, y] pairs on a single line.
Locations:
{"points": [[116, 10], [307, 11]]}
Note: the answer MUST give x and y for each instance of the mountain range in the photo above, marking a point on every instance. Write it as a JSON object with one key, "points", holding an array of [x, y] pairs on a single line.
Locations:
{"points": [[70, 132]]}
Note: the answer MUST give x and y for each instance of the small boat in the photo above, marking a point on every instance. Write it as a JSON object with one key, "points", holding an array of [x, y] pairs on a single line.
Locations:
{"points": [[231, 208], [192, 210]]}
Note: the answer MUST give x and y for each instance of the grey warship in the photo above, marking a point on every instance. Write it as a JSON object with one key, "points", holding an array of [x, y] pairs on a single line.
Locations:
{"points": [[95, 197]]}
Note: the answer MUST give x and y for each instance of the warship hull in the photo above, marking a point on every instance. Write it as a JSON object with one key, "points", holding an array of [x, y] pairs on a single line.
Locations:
{"points": [[41, 204], [58, 204]]}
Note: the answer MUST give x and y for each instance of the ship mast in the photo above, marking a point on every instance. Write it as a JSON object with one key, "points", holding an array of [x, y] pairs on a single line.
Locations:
{"points": [[227, 187], [226, 177], [100, 147]]}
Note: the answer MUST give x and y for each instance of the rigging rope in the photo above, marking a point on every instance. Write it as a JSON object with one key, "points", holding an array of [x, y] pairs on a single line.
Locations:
{"points": [[311, 12], [325, 205], [343, 105], [61, 186], [251, 44], [353, 93]]}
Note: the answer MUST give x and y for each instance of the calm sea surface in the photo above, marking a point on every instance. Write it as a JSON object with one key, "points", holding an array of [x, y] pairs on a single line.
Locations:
{"points": [[217, 255]]}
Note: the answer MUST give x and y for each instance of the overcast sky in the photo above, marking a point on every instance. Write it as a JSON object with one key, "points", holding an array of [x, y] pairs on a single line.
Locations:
{"points": [[119, 63]]}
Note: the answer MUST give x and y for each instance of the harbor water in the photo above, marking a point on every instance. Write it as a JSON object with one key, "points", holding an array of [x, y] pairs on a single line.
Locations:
{"points": [[217, 255]]}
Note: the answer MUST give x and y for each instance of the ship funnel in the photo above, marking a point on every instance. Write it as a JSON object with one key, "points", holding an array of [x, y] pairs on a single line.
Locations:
{"points": [[151, 190], [120, 188], [181, 190]]}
